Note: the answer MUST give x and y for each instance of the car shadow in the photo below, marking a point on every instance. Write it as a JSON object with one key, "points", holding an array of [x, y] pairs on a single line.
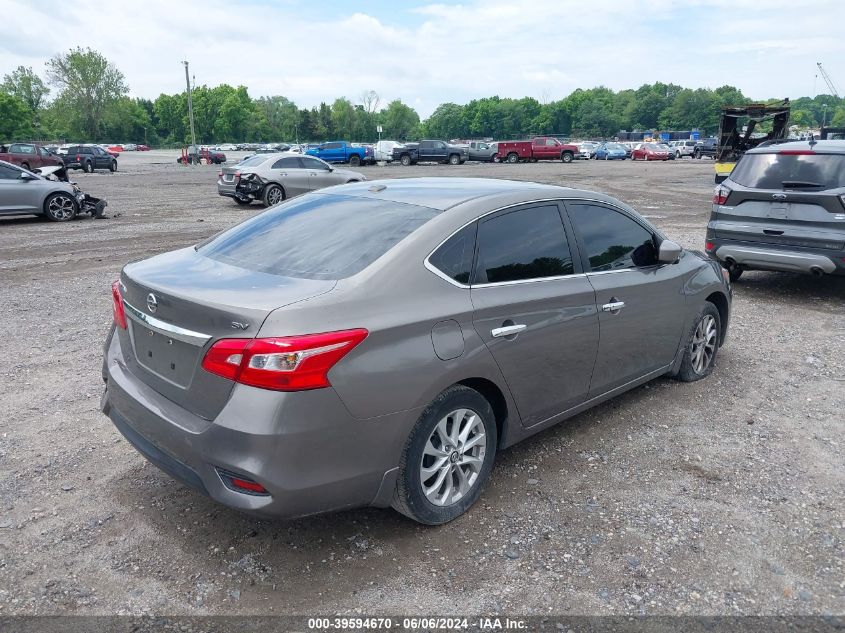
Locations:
{"points": [[791, 288]]}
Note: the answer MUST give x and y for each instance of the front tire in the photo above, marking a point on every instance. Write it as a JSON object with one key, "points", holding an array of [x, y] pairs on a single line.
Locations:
{"points": [[113, 166], [60, 207], [454, 159], [405, 160], [702, 345], [273, 195], [448, 457], [566, 157]]}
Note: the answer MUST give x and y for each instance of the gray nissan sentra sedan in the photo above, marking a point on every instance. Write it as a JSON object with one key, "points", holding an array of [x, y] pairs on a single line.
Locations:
{"points": [[375, 344]]}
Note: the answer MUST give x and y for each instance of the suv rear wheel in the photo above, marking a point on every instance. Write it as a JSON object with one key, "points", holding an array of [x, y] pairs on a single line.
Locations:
{"points": [[88, 167], [354, 160], [448, 457]]}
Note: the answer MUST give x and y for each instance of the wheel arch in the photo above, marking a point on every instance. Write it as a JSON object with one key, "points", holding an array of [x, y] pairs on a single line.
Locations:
{"points": [[719, 300], [494, 395]]}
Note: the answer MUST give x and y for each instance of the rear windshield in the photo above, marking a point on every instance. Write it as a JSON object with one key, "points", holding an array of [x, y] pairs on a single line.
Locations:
{"points": [[318, 236], [252, 161], [806, 171]]}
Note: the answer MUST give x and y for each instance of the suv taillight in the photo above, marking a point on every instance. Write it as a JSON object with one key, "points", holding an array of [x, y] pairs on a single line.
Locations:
{"points": [[78, 158], [720, 194], [290, 363], [117, 306]]}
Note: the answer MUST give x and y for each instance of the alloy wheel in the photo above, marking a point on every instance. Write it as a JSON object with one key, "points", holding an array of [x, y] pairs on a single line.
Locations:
{"points": [[453, 457], [275, 196], [704, 344], [61, 207]]}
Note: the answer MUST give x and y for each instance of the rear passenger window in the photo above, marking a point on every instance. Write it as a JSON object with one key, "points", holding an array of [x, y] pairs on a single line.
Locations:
{"points": [[454, 257], [289, 162], [525, 244], [611, 239]]}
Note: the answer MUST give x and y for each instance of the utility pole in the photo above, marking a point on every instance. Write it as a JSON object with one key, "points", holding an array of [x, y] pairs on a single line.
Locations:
{"points": [[190, 106]]}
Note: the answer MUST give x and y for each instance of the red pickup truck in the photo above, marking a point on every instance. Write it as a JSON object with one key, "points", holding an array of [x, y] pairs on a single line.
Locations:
{"points": [[29, 155], [538, 148]]}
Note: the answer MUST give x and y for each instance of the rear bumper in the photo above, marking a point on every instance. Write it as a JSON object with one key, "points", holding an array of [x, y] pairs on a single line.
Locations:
{"points": [[769, 257], [305, 448]]}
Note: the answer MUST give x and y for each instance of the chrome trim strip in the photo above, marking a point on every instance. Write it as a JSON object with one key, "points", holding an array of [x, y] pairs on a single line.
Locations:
{"points": [[445, 277], [515, 282], [167, 329]]}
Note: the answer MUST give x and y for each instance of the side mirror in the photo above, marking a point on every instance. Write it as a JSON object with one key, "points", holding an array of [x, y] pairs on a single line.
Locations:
{"points": [[669, 252], [26, 176]]}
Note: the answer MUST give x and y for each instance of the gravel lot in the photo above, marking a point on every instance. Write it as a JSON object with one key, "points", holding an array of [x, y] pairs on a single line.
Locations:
{"points": [[723, 496]]}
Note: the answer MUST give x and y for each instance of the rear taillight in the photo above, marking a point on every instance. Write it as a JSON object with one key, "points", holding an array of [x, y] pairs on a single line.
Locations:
{"points": [[220, 174], [78, 158], [720, 194], [237, 176], [709, 246], [290, 363], [117, 306]]}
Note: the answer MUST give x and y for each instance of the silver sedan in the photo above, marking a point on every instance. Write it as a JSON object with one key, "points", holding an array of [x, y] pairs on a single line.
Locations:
{"points": [[23, 192], [272, 178]]}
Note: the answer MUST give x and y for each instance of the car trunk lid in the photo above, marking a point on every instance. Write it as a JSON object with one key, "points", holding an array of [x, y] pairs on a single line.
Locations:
{"points": [[178, 304]]}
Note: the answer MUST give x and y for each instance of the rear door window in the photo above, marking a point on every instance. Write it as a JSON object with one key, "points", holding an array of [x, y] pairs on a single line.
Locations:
{"points": [[611, 240], [528, 243], [318, 236], [454, 257], [288, 162], [812, 172]]}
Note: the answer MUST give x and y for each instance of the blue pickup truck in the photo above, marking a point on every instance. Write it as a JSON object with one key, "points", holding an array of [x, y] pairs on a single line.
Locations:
{"points": [[343, 152]]}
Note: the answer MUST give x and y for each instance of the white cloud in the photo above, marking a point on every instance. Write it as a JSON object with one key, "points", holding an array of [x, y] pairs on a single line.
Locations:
{"points": [[441, 52]]}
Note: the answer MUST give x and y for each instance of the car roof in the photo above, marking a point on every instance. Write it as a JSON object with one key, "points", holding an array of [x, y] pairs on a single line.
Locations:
{"points": [[819, 147], [444, 193]]}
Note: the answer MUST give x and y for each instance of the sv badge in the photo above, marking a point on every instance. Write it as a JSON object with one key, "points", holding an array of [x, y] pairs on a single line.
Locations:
{"points": [[239, 326]]}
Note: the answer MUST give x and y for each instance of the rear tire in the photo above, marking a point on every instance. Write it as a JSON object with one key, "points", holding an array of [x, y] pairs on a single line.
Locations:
{"points": [[354, 160], [513, 158], [496, 158], [439, 479], [25, 166], [702, 345], [88, 167], [734, 273], [273, 195], [60, 207]]}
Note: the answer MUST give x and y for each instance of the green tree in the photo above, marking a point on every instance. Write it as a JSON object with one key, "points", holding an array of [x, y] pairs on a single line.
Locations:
{"points": [[343, 118], [400, 120], [447, 121], [838, 117], [24, 84], [88, 85], [15, 117]]}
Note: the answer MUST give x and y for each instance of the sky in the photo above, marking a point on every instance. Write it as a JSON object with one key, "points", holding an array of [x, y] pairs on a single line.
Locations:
{"points": [[427, 53]]}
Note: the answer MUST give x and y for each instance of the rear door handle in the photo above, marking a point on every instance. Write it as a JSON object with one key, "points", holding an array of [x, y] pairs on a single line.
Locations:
{"points": [[772, 232], [613, 307], [507, 330]]}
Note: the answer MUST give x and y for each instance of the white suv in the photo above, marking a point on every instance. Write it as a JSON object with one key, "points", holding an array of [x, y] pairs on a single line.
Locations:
{"points": [[683, 148]]}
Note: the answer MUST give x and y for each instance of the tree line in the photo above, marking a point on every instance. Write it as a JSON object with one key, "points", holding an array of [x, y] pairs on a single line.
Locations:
{"points": [[90, 102]]}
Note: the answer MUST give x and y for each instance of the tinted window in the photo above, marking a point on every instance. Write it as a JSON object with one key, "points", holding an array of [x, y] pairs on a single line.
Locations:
{"points": [[8, 173], [454, 257], [771, 171], [525, 244], [289, 162], [318, 236], [611, 239], [426, 144], [253, 161], [313, 163], [332, 146]]}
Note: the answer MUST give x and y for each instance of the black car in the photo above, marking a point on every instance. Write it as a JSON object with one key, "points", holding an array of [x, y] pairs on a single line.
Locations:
{"points": [[88, 158], [706, 147], [431, 152]]}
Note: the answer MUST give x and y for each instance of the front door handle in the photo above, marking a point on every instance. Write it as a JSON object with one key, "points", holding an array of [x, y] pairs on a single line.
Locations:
{"points": [[507, 330], [613, 307]]}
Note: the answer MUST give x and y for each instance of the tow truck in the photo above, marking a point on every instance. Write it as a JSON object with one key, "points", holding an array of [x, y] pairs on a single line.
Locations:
{"points": [[733, 142]]}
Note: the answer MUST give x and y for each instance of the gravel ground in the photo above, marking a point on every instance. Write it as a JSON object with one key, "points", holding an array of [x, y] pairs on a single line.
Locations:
{"points": [[723, 496]]}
